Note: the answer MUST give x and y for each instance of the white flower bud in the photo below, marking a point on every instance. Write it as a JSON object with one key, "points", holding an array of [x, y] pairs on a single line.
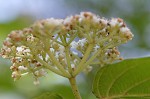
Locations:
{"points": [[22, 68], [114, 22], [16, 75], [20, 49], [103, 21], [96, 48], [40, 73], [73, 65], [75, 61], [36, 82], [53, 21], [52, 50], [68, 20], [124, 29], [96, 19]]}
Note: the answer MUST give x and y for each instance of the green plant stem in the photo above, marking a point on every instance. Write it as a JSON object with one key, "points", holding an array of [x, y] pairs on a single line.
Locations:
{"points": [[72, 38], [49, 67], [68, 59], [74, 88], [59, 66], [54, 60], [84, 59]]}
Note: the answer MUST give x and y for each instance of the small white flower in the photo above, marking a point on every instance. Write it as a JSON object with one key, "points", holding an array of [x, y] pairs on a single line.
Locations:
{"points": [[124, 29], [47, 57], [15, 75], [24, 74], [73, 65], [74, 44], [96, 48], [30, 38], [36, 82], [8, 50], [80, 19], [37, 73], [103, 21], [26, 51], [75, 61], [96, 19], [20, 49], [23, 50], [40, 72], [52, 49], [120, 24], [113, 22], [29, 60], [18, 59], [68, 20], [40, 57], [53, 21], [8, 39], [22, 68]]}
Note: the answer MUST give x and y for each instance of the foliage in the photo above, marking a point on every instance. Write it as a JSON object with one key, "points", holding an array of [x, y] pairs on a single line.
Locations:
{"points": [[49, 96], [124, 80]]}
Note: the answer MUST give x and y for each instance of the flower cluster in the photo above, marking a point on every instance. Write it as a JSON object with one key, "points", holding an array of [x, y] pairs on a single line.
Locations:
{"points": [[65, 46]]}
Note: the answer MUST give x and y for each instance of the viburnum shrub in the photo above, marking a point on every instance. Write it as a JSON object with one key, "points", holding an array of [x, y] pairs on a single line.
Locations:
{"points": [[66, 47]]}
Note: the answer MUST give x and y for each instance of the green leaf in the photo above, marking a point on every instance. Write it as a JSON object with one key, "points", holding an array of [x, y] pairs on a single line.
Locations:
{"points": [[128, 79], [49, 95]]}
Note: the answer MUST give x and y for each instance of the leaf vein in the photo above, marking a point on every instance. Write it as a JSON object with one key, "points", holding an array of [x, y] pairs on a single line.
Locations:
{"points": [[99, 94], [135, 85], [113, 82]]}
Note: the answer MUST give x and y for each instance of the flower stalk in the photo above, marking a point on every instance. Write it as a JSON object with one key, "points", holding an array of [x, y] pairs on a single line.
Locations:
{"points": [[66, 47], [74, 88]]}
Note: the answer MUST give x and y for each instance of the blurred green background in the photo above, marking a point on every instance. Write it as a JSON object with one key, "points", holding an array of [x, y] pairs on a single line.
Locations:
{"points": [[17, 14]]}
